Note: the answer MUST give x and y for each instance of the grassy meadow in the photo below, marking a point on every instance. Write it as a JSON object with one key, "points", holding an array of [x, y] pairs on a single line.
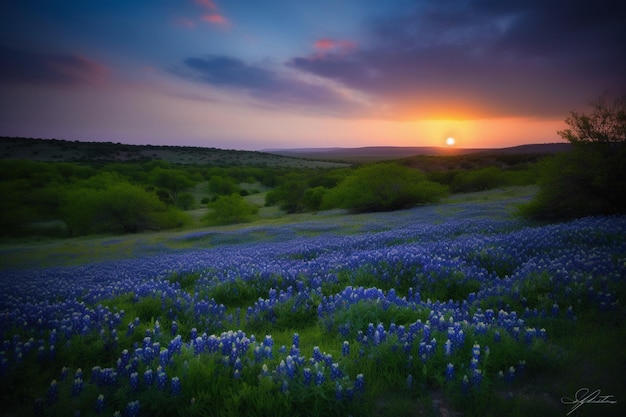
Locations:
{"points": [[457, 308]]}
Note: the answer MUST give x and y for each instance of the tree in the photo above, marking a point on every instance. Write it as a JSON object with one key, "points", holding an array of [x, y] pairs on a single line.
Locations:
{"points": [[384, 187], [589, 179], [171, 180], [605, 124], [220, 185], [230, 210], [117, 207], [289, 196]]}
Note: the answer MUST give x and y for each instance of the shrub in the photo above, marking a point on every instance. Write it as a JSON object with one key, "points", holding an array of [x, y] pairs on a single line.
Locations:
{"points": [[230, 210], [118, 207], [384, 187], [588, 180], [223, 185], [186, 201]]}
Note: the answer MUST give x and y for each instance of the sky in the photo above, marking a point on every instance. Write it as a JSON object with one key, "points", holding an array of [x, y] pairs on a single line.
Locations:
{"points": [[244, 74]]}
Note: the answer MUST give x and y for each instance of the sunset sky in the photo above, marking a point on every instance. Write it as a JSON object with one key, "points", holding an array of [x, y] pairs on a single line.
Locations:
{"points": [[242, 74]]}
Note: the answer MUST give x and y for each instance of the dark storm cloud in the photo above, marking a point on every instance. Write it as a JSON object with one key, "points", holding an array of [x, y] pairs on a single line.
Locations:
{"points": [[264, 84], [23, 66], [534, 58]]}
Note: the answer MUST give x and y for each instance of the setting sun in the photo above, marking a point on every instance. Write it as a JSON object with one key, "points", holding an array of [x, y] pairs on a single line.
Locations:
{"points": [[450, 141]]}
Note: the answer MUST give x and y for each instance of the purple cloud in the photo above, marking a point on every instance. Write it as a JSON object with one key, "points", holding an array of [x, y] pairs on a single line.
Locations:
{"points": [[49, 69], [532, 58], [266, 85]]}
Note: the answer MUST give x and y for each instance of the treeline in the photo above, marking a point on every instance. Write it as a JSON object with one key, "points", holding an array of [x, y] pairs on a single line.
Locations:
{"points": [[71, 199]]}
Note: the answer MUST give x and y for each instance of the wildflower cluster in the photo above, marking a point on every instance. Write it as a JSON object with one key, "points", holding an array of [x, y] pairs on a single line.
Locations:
{"points": [[438, 300]]}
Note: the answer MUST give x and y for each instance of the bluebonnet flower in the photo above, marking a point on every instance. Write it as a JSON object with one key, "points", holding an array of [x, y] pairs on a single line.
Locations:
{"points": [[100, 404], [161, 380], [345, 348], [335, 372], [134, 381], [510, 376], [477, 377], [338, 391], [359, 383], [176, 386], [319, 378], [77, 387], [132, 409], [53, 392], [164, 357], [450, 372], [64, 372], [148, 377], [307, 375], [409, 381]]}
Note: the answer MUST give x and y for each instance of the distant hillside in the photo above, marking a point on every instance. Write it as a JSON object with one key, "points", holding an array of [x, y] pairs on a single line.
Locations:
{"points": [[55, 150], [381, 153]]}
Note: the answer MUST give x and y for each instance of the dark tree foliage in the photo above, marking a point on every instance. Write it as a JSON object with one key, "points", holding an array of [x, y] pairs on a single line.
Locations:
{"points": [[588, 180]]}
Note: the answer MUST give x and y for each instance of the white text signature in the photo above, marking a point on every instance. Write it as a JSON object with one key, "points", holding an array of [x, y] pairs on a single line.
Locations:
{"points": [[586, 396]]}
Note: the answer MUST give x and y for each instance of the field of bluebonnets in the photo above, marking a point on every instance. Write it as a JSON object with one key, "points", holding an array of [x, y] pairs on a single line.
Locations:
{"points": [[453, 309]]}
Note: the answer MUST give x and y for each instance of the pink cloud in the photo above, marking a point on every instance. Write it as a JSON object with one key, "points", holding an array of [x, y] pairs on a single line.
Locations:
{"points": [[216, 19], [78, 68], [327, 44], [209, 4]]}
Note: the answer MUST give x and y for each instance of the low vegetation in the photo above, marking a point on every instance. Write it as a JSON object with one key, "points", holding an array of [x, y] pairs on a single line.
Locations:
{"points": [[470, 312], [66, 199]]}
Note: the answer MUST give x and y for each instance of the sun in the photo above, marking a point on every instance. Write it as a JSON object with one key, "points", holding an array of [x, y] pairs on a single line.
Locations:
{"points": [[450, 141]]}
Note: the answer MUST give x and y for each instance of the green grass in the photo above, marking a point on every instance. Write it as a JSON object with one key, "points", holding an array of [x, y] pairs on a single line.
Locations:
{"points": [[587, 352]]}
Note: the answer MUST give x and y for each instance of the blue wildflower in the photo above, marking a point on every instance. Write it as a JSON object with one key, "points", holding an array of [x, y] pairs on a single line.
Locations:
{"points": [[132, 409], [148, 377], [359, 383], [134, 381], [306, 373], [176, 386], [450, 371], [345, 348], [53, 392], [100, 404]]}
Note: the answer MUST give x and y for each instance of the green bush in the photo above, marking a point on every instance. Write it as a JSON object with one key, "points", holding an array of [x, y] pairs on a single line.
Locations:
{"points": [[588, 180], [118, 206], [186, 201], [230, 210], [478, 180], [383, 187], [289, 196], [223, 185]]}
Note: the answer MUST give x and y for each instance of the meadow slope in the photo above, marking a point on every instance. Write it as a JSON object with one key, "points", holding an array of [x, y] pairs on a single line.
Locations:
{"points": [[459, 308]]}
